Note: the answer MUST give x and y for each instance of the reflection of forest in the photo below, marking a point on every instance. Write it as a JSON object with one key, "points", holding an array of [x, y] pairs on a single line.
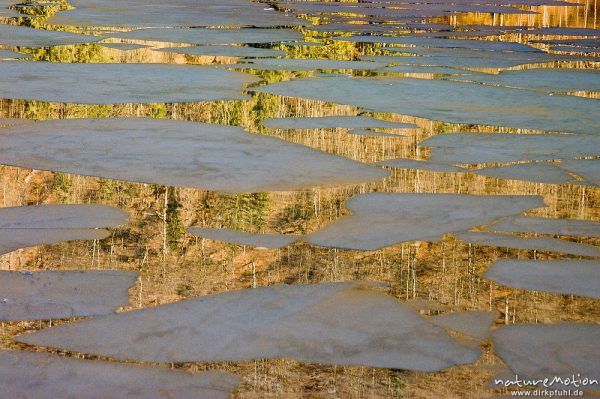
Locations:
{"points": [[175, 264]]}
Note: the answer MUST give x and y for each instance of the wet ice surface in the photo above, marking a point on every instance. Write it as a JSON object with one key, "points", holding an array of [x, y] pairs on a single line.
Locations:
{"points": [[575, 277], [327, 323], [537, 172], [544, 79], [329, 122], [289, 64], [8, 54], [243, 238], [222, 50], [421, 69], [419, 305], [382, 219], [549, 350], [590, 43], [588, 169], [374, 133], [61, 217], [535, 243], [454, 102], [484, 45], [563, 31], [13, 239], [41, 375], [466, 58], [307, 44], [405, 163], [5, 11], [563, 227], [123, 46], [358, 28], [61, 294], [177, 153], [478, 148], [118, 83], [13, 35], [27, 226], [575, 49], [13, 121], [155, 13], [338, 323], [210, 36], [475, 324], [402, 12]]}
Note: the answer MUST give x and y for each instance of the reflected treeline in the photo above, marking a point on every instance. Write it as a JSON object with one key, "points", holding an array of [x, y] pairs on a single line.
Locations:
{"points": [[175, 264]]}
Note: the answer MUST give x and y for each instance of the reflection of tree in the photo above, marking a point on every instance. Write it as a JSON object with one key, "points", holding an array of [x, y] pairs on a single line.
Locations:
{"points": [[84, 53], [446, 271], [242, 211], [42, 10], [175, 228], [61, 186]]}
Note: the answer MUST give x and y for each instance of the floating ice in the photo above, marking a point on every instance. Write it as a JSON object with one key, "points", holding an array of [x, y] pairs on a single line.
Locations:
{"points": [[483, 45], [358, 28], [415, 11], [382, 219], [243, 238], [28, 226], [420, 305], [226, 51], [308, 44], [118, 83], [458, 33], [466, 58], [210, 36], [588, 169], [453, 102], [23, 36], [592, 43], [13, 121], [562, 227], [8, 54], [61, 216], [305, 64], [13, 239], [177, 153], [60, 294], [475, 324], [37, 375], [539, 351], [405, 163], [534, 243], [154, 13], [374, 133], [575, 49], [536, 172], [563, 31], [573, 277], [124, 46], [423, 69], [338, 323], [7, 12], [544, 79], [478, 148], [330, 122]]}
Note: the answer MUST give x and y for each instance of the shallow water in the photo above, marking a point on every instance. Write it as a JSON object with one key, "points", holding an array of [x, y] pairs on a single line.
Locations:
{"points": [[274, 150]]}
